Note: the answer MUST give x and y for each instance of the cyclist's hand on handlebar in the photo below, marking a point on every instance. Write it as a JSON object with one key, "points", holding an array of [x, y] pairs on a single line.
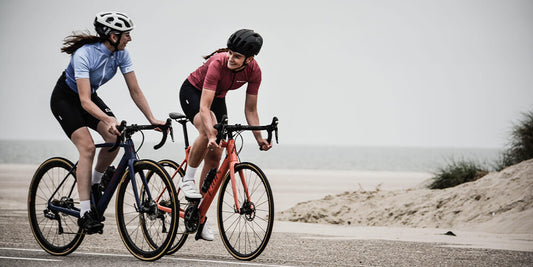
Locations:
{"points": [[111, 126], [157, 122], [264, 145], [212, 143]]}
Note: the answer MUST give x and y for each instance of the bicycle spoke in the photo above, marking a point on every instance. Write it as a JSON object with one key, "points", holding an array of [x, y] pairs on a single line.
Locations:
{"points": [[181, 233], [147, 231], [246, 231], [52, 177]]}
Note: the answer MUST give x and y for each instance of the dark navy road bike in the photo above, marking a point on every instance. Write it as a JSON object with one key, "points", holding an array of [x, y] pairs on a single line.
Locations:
{"points": [[146, 208]]}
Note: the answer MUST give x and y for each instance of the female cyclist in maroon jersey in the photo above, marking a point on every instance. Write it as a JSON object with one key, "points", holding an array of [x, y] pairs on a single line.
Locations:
{"points": [[202, 98]]}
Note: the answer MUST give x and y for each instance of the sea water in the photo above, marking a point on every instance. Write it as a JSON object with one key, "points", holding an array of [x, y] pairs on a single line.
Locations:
{"points": [[282, 156]]}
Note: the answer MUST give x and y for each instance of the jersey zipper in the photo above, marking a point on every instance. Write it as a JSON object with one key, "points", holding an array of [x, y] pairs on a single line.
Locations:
{"points": [[103, 73], [232, 81]]}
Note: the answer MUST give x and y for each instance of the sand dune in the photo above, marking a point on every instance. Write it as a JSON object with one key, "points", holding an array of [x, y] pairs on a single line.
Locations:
{"points": [[500, 202]]}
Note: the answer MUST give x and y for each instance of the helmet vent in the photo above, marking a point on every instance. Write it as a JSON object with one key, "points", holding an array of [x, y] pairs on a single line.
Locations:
{"points": [[125, 23]]}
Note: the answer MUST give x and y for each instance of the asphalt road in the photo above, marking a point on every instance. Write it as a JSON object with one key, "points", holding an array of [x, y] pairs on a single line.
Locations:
{"points": [[291, 244], [19, 248]]}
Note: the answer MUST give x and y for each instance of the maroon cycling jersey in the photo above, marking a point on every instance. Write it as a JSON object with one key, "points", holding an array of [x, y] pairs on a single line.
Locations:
{"points": [[214, 75]]}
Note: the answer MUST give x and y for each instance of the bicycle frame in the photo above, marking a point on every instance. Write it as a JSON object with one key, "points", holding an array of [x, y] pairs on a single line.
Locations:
{"points": [[127, 161], [228, 165]]}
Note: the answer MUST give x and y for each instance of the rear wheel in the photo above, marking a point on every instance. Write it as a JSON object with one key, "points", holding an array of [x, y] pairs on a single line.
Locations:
{"points": [[56, 232], [246, 229], [147, 230], [181, 235]]}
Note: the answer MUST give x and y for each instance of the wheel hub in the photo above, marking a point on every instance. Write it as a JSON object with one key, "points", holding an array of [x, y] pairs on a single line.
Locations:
{"points": [[248, 210]]}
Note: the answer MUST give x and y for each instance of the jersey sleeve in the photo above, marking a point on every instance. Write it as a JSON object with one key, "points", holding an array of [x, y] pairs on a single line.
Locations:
{"points": [[126, 65], [80, 63], [254, 82], [212, 76]]}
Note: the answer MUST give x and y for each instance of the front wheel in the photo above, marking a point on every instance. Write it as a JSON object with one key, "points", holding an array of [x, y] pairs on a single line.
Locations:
{"points": [[147, 228], [246, 228]]}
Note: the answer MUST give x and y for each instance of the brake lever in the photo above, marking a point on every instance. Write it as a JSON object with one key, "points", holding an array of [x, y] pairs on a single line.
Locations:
{"points": [[172, 134], [165, 134], [275, 123], [220, 128], [120, 128]]}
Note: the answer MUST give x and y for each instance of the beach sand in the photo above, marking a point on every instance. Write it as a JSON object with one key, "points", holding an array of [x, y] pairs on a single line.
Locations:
{"points": [[500, 202], [493, 212]]}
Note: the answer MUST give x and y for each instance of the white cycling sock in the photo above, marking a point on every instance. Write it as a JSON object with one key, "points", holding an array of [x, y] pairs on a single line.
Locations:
{"points": [[189, 174], [97, 177], [85, 206]]}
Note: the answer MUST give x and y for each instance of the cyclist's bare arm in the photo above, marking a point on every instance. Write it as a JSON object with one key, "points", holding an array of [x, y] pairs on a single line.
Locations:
{"points": [[253, 120], [139, 98]]}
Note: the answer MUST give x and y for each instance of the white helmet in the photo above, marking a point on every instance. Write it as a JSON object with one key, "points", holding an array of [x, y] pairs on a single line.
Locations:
{"points": [[106, 22]]}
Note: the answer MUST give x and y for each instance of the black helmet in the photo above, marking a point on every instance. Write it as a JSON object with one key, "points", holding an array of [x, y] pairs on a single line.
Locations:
{"points": [[246, 42]]}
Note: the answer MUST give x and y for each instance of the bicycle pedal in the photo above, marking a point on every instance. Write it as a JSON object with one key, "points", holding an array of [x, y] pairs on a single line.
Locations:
{"points": [[95, 230], [198, 234], [193, 200]]}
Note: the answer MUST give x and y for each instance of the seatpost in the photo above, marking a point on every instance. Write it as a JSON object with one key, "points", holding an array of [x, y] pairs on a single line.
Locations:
{"points": [[185, 134]]}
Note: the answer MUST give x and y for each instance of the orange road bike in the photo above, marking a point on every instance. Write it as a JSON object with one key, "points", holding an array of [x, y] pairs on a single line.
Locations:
{"points": [[245, 203], [144, 190]]}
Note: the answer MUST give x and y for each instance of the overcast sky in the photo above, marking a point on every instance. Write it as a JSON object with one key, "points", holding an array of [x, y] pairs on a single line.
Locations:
{"points": [[372, 73]]}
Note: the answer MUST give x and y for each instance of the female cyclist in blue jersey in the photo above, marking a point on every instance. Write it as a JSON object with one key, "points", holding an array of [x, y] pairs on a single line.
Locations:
{"points": [[75, 104], [202, 98]]}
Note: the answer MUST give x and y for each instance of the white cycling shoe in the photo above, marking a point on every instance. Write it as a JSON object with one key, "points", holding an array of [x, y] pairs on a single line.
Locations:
{"points": [[206, 232], [190, 190]]}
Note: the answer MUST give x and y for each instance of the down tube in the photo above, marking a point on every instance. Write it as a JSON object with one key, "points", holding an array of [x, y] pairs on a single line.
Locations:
{"points": [[211, 192], [234, 186]]}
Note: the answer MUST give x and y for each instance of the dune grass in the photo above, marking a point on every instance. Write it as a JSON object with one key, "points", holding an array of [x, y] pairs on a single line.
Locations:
{"points": [[520, 148], [456, 173], [520, 145]]}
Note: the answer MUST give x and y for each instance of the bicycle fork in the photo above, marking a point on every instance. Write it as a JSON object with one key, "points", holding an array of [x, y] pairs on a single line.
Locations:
{"points": [[145, 204]]}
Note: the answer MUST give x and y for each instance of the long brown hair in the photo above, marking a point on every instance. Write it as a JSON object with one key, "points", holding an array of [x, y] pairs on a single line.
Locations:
{"points": [[76, 40], [218, 51]]}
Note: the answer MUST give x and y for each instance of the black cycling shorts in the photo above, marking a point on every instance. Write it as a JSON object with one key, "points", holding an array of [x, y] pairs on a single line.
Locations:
{"points": [[67, 109], [190, 102]]}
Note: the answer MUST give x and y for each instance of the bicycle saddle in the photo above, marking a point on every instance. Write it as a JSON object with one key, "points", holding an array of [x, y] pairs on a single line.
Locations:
{"points": [[176, 115]]}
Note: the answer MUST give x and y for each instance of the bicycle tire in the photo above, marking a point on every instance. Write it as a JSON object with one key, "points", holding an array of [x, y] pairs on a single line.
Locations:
{"points": [[147, 234], [58, 234], [181, 235], [246, 235]]}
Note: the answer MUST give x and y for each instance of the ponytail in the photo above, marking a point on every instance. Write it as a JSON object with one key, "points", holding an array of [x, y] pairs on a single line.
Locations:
{"points": [[74, 41], [218, 51]]}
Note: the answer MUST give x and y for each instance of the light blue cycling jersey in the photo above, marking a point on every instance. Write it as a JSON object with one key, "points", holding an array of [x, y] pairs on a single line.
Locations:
{"points": [[96, 62]]}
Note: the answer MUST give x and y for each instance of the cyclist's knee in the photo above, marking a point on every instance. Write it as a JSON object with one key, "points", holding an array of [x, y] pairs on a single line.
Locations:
{"points": [[201, 140], [84, 142], [86, 150], [108, 137], [213, 156]]}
